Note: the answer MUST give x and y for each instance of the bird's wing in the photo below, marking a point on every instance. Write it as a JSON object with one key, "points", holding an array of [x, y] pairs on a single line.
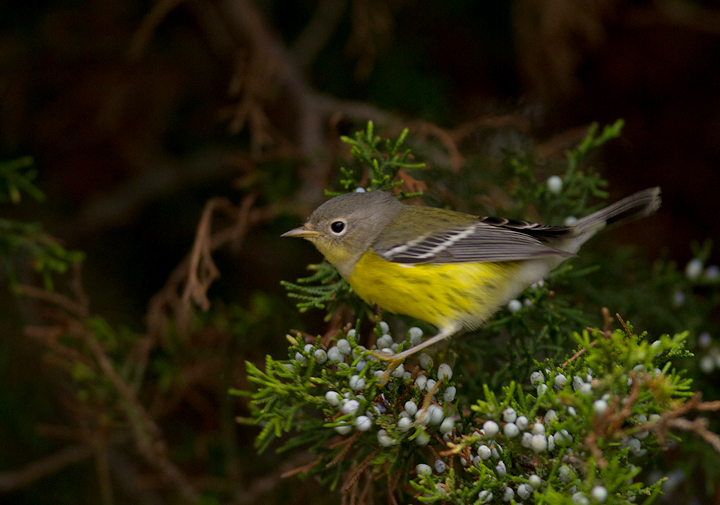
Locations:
{"points": [[480, 240]]}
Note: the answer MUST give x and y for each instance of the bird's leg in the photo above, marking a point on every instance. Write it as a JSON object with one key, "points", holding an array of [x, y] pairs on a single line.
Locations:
{"points": [[444, 333], [395, 359]]}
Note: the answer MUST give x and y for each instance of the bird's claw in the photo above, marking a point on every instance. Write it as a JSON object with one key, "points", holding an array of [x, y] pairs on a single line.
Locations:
{"points": [[385, 377], [383, 355]]}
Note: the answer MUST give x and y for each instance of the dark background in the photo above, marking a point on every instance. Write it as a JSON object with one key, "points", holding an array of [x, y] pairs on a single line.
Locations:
{"points": [[137, 112]]}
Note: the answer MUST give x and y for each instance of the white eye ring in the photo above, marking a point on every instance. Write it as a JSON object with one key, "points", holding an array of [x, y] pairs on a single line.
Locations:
{"points": [[338, 227]]}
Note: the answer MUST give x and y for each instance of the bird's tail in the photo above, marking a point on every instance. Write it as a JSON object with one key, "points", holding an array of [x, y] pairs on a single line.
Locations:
{"points": [[641, 204]]}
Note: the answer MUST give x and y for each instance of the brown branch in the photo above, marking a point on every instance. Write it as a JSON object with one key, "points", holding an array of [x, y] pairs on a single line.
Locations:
{"points": [[706, 406], [392, 483], [160, 180], [354, 474], [674, 14], [318, 31], [76, 287], [268, 483], [627, 331], [559, 145], [334, 327], [577, 355], [201, 269], [168, 300], [102, 467], [366, 495], [247, 23], [49, 335], [48, 465], [300, 469], [609, 422], [254, 75], [428, 129], [674, 419], [143, 34], [313, 110], [606, 333], [346, 444], [490, 122], [147, 435], [264, 64], [355, 110], [411, 184], [698, 426], [451, 138], [58, 299]]}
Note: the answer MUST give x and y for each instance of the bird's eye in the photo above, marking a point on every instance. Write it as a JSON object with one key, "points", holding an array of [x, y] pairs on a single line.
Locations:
{"points": [[337, 227]]}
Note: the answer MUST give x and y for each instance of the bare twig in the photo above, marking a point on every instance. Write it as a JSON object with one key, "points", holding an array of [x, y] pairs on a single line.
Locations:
{"points": [[612, 422], [49, 335], [606, 334], [346, 444], [58, 299], [158, 181], [318, 31], [577, 355], [708, 406], [490, 122], [622, 322], [102, 466], [558, 146], [371, 28], [142, 36], [608, 423], [607, 328], [312, 109], [675, 14], [674, 419], [427, 129], [168, 299], [392, 486], [451, 138], [300, 469], [148, 436], [697, 426], [202, 270], [354, 474], [48, 465]]}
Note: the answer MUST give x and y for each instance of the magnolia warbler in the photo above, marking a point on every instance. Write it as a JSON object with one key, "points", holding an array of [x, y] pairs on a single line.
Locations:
{"points": [[447, 268]]}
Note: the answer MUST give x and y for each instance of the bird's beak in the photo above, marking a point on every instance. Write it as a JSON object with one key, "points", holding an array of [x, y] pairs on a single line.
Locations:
{"points": [[301, 232]]}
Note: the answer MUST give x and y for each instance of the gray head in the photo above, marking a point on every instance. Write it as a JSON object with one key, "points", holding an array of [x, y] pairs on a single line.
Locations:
{"points": [[344, 227]]}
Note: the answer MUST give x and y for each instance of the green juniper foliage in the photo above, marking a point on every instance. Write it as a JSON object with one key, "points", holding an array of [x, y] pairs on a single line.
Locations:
{"points": [[382, 162], [324, 287], [567, 195], [583, 426], [27, 240], [543, 407]]}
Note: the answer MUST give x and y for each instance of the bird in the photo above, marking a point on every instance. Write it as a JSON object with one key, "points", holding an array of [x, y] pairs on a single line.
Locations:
{"points": [[450, 269]]}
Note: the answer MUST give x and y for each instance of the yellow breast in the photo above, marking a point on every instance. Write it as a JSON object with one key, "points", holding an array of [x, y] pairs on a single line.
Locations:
{"points": [[440, 294]]}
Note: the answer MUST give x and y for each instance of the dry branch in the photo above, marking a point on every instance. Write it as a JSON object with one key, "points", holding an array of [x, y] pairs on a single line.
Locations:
{"points": [[28, 474], [169, 301]]}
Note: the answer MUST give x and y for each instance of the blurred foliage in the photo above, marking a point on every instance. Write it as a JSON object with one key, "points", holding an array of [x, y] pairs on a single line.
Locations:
{"points": [[21, 241], [138, 112]]}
